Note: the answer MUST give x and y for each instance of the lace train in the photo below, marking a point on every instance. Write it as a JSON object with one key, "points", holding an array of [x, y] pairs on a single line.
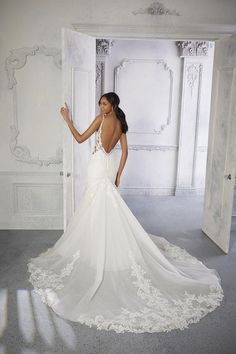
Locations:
{"points": [[106, 271], [160, 314]]}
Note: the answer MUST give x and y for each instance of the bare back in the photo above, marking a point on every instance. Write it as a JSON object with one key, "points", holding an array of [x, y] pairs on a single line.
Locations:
{"points": [[110, 133]]}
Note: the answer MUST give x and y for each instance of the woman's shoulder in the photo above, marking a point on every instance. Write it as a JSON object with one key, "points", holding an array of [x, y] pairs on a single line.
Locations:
{"points": [[99, 116], [97, 121]]}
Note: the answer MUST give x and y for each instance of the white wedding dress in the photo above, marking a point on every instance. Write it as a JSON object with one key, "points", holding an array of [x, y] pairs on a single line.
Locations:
{"points": [[106, 271]]}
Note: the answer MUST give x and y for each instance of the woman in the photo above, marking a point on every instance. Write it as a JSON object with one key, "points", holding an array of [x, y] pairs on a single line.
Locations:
{"points": [[105, 270]]}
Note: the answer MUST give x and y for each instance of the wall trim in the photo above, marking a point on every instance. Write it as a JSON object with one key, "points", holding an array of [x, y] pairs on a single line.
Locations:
{"points": [[15, 61], [153, 147], [173, 31], [165, 191], [30, 173], [182, 191], [124, 62]]}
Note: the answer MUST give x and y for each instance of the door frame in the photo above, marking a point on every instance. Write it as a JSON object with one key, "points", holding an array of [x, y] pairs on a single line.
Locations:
{"points": [[209, 32], [177, 33]]}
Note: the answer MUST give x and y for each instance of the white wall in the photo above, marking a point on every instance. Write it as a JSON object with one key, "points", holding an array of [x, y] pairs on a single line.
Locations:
{"points": [[31, 193]]}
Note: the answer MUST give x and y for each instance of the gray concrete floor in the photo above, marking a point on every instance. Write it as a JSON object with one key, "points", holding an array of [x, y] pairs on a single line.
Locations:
{"points": [[27, 326]]}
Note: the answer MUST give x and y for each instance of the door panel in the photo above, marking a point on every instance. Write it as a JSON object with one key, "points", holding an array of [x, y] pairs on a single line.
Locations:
{"points": [[221, 158], [78, 90]]}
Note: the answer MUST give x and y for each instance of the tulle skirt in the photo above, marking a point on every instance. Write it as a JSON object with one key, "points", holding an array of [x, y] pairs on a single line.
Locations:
{"points": [[107, 271]]}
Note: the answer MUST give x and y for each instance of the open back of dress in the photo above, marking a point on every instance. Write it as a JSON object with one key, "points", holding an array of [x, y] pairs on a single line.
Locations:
{"points": [[107, 139]]}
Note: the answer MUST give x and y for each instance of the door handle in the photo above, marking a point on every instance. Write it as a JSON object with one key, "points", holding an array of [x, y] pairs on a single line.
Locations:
{"points": [[67, 174], [228, 176]]}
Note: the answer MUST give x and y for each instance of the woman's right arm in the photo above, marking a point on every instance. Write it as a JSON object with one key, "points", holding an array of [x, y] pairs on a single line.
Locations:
{"points": [[124, 155]]}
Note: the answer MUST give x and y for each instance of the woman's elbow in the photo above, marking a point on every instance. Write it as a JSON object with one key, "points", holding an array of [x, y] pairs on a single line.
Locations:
{"points": [[80, 140]]}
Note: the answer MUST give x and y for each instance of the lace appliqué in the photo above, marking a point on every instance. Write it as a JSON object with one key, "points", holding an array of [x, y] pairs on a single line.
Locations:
{"points": [[111, 191], [44, 281], [176, 252], [98, 140], [175, 313], [159, 314], [108, 187]]}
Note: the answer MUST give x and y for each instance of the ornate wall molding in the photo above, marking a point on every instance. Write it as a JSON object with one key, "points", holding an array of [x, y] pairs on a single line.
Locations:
{"points": [[103, 49], [100, 71], [153, 147], [156, 8], [36, 200], [197, 133], [194, 70], [126, 62], [210, 32], [103, 46], [189, 126], [26, 196], [160, 148], [15, 61], [192, 48]]}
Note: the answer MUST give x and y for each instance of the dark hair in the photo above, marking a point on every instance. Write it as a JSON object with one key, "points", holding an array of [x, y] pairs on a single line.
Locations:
{"points": [[113, 98]]}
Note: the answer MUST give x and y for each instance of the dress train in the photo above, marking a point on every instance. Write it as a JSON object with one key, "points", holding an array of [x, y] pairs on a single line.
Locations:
{"points": [[106, 271]]}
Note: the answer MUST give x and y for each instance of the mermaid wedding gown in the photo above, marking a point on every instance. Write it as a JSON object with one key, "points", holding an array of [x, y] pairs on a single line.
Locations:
{"points": [[106, 271]]}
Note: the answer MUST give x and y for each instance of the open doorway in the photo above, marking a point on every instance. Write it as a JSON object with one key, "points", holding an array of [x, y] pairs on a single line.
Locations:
{"points": [[165, 90], [79, 77]]}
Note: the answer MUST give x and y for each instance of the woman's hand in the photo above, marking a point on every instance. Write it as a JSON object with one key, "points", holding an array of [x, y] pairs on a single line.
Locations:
{"points": [[117, 181], [65, 114]]}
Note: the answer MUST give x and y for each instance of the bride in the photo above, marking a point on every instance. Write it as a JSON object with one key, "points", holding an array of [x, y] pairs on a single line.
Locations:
{"points": [[106, 270]]}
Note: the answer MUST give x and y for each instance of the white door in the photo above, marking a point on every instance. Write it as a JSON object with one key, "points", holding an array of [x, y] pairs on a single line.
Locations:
{"points": [[221, 158], [78, 91]]}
